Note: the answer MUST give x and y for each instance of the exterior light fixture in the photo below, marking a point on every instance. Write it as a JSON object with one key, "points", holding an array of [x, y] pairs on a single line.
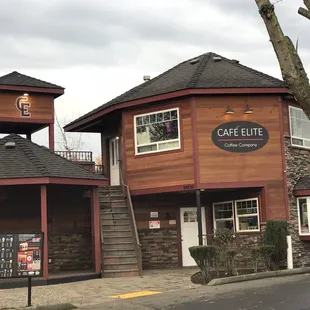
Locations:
{"points": [[117, 138], [229, 110], [26, 95], [248, 110]]}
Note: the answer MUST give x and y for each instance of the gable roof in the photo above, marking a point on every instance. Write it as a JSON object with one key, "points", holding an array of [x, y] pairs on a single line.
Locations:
{"points": [[29, 160], [207, 71], [17, 79]]}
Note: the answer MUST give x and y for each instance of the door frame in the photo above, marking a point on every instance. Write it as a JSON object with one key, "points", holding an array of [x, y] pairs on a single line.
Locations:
{"points": [[179, 232], [117, 140]]}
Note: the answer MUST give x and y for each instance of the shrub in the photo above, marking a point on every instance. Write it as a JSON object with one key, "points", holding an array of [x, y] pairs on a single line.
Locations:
{"points": [[275, 235], [204, 256], [255, 254], [224, 240], [266, 253]]}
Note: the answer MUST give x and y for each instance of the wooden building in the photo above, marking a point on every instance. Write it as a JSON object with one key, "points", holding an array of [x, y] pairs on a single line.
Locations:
{"points": [[212, 136], [41, 191]]}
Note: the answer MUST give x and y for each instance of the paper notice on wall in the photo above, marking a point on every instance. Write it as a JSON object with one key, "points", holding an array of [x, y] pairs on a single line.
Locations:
{"points": [[154, 214], [172, 222], [154, 224]]}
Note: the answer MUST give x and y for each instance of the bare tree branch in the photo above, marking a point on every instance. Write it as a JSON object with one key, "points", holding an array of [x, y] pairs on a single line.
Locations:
{"points": [[292, 69], [305, 12], [68, 141]]}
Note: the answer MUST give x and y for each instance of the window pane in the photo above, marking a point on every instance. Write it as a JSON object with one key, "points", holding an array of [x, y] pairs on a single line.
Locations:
{"points": [[220, 224], [300, 125], [147, 148], [303, 216], [246, 207], [223, 211], [297, 141], [248, 223], [156, 128]]}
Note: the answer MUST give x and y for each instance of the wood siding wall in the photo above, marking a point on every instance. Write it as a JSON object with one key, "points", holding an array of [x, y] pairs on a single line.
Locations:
{"points": [[200, 163], [160, 169], [264, 165], [41, 109]]}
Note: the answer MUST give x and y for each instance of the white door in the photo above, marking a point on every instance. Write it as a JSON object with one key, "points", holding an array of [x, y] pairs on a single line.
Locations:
{"points": [[114, 163], [189, 232]]}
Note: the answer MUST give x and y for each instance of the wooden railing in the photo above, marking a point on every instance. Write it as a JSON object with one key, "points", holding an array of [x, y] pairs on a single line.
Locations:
{"points": [[76, 155], [132, 219], [99, 169]]}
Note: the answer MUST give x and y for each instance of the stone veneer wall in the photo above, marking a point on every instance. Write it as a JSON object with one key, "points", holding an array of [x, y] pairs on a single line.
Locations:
{"points": [[70, 252], [297, 166], [159, 248]]}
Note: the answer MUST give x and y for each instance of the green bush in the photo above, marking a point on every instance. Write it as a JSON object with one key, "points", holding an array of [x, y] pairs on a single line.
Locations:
{"points": [[204, 256], [275, 235], [266, 253]]}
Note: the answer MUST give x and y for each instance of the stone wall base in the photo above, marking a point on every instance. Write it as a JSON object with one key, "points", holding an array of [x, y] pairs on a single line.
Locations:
{"points": [[70, 252], [159, 248]]}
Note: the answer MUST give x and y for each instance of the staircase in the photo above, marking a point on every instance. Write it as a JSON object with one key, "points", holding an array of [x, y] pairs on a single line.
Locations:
{"points": [[118, 248]]}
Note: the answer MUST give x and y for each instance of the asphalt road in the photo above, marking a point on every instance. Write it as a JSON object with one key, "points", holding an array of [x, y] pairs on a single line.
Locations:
{"points": [[283, 293], [285, 296]]}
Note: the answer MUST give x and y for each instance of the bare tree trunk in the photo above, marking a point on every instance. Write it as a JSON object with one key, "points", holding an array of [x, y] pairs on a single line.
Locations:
{"points": [[305, 12], [292, 69]]}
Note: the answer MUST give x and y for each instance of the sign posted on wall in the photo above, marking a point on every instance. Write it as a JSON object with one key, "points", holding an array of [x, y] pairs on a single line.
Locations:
{"points": [[21, 255]]}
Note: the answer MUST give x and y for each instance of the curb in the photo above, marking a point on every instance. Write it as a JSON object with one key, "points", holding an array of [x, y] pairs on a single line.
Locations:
{"points": [[256, 276], [66, 306]]}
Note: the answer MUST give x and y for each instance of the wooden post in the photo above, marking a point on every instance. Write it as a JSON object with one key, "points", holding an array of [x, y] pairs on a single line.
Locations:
{"points": [[95, 212], [44, 230], [199, 219], [51, 137]]}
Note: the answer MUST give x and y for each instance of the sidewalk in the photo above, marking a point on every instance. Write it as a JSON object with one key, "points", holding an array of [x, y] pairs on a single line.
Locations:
{"points": [[97, 291]]}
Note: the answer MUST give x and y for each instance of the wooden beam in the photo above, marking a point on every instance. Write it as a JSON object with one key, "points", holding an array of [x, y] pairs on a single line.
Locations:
{"points": [[199, 217], [95, 213], [51, 137], [44, 230]]}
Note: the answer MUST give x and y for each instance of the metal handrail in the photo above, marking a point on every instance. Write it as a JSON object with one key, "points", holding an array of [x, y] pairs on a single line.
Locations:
{"points": [[133, 219]]}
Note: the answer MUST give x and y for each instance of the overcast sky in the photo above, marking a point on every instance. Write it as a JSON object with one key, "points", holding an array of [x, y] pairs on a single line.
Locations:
{"points": [[98, 49]]}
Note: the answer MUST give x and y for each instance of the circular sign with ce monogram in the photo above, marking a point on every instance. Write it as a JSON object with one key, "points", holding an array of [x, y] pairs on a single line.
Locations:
{"points": [[240, 136]]}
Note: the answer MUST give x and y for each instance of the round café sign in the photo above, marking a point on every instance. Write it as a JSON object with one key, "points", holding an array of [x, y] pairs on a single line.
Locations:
{"points": [[240, 136]]}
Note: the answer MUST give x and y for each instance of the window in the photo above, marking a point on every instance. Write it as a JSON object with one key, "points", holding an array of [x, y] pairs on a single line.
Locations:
{"points": [[247, 215], [223, 215], [300, 127], [158, 131], [242, 212], [190, 216], [303, 216]]}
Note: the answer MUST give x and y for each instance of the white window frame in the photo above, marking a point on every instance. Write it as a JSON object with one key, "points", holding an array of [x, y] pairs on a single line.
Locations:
{"points": [[225, 219], [157, 143], [295, 137], [298, 211], [246, 215]]}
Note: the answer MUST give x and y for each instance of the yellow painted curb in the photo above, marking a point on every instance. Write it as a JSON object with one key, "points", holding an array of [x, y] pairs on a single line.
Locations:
{"points": [[136, 294]]}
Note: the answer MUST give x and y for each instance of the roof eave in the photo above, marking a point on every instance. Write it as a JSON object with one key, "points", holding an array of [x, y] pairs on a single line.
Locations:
{"points": [[54, 91], [53, 180], [80, 123]]}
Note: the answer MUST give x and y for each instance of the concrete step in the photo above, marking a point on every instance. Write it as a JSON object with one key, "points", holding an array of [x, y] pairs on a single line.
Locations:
{"points": [[120, 260], [118, 252], [115, 227], [121, 273], [108, 239], [121, 233], [111, 245], [115, 221], [116, 210], [120, 266], [119, 216]]}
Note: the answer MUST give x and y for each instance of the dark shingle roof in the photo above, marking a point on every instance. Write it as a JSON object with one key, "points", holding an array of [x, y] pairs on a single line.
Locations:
{"points": [[303, 183], [29, 160], [17, 79], [206, 73]]}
